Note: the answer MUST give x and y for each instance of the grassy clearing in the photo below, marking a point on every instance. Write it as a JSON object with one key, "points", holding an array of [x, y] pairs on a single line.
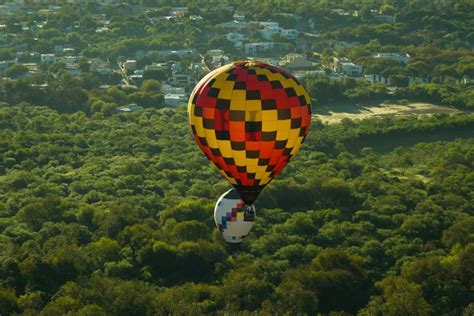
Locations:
{"points": [[337, 112]]}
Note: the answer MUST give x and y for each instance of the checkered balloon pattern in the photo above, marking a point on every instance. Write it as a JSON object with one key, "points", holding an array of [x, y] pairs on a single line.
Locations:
{"points": [[249, 118]]}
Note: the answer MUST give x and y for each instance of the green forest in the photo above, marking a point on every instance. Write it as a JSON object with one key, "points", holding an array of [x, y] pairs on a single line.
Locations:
{"points": [[105, 212], [113, 216]]}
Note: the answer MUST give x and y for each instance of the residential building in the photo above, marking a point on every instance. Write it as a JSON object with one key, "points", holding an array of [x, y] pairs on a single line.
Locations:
{"points": [[168, 89], [220, 60], [234, 26], [269, 31], [100, 66], [340, 12], [69, 51], [68, 60], [130, 64], [256, 48], [374, 78], [183, 52], [269, 24], [215, 52], [132, 107], [315, 72], [179, 11], [33, 69], [198, 69], [195, 17], [348, 68], [102, 29], [238, 17], [136, 78], [236, 38], [296, 62], [399, 57], [181, 79], [157, 66], [47, 58], [175, 99]]}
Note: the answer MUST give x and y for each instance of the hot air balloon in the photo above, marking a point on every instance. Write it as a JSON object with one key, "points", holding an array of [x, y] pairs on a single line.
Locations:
{"points": [[249, 118], [233, 218]]}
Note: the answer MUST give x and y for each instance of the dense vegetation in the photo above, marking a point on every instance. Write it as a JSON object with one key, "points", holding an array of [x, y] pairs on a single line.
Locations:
{"points": [[114, 216]]}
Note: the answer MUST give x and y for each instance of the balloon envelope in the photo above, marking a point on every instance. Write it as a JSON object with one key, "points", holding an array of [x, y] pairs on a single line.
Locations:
{"points": [[249, 118], [231, 217]]}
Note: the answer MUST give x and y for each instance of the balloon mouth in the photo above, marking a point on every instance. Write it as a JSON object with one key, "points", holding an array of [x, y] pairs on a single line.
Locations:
{"points": [[248, 195]]}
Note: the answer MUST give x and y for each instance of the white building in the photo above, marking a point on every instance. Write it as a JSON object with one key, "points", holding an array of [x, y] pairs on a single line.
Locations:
{"points": [[168, 89], [181, 79], [183, 52], [236, 38], [47, 58], [179, 11], [350, 69], [69, 51], [373, 78], [195, 17], [69, 60], [296, 61], [269, 24], [198, 68], [175, 99], [235, 26], [272, 28], [256, 48], [102, 29], [129, 108], [346, 67], [239, 17], [220, 60], [399, 57], [157, 66], [303, 73], [33, 69], [130, 64], [215, 52], [269, 31]]}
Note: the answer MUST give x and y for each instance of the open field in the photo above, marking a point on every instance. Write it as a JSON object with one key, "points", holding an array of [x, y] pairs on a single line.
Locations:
{"points": [[337, 112]]}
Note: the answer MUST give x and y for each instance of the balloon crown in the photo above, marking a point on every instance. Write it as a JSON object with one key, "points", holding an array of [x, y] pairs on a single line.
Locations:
{"points": [[249, 63]]}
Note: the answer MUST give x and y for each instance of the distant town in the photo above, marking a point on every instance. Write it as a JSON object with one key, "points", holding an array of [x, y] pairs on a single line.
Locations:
{"points": [[116, 44]]}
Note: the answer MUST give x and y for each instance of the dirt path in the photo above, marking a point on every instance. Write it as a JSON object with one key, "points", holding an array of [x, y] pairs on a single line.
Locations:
{"points": [[335, 113]]}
